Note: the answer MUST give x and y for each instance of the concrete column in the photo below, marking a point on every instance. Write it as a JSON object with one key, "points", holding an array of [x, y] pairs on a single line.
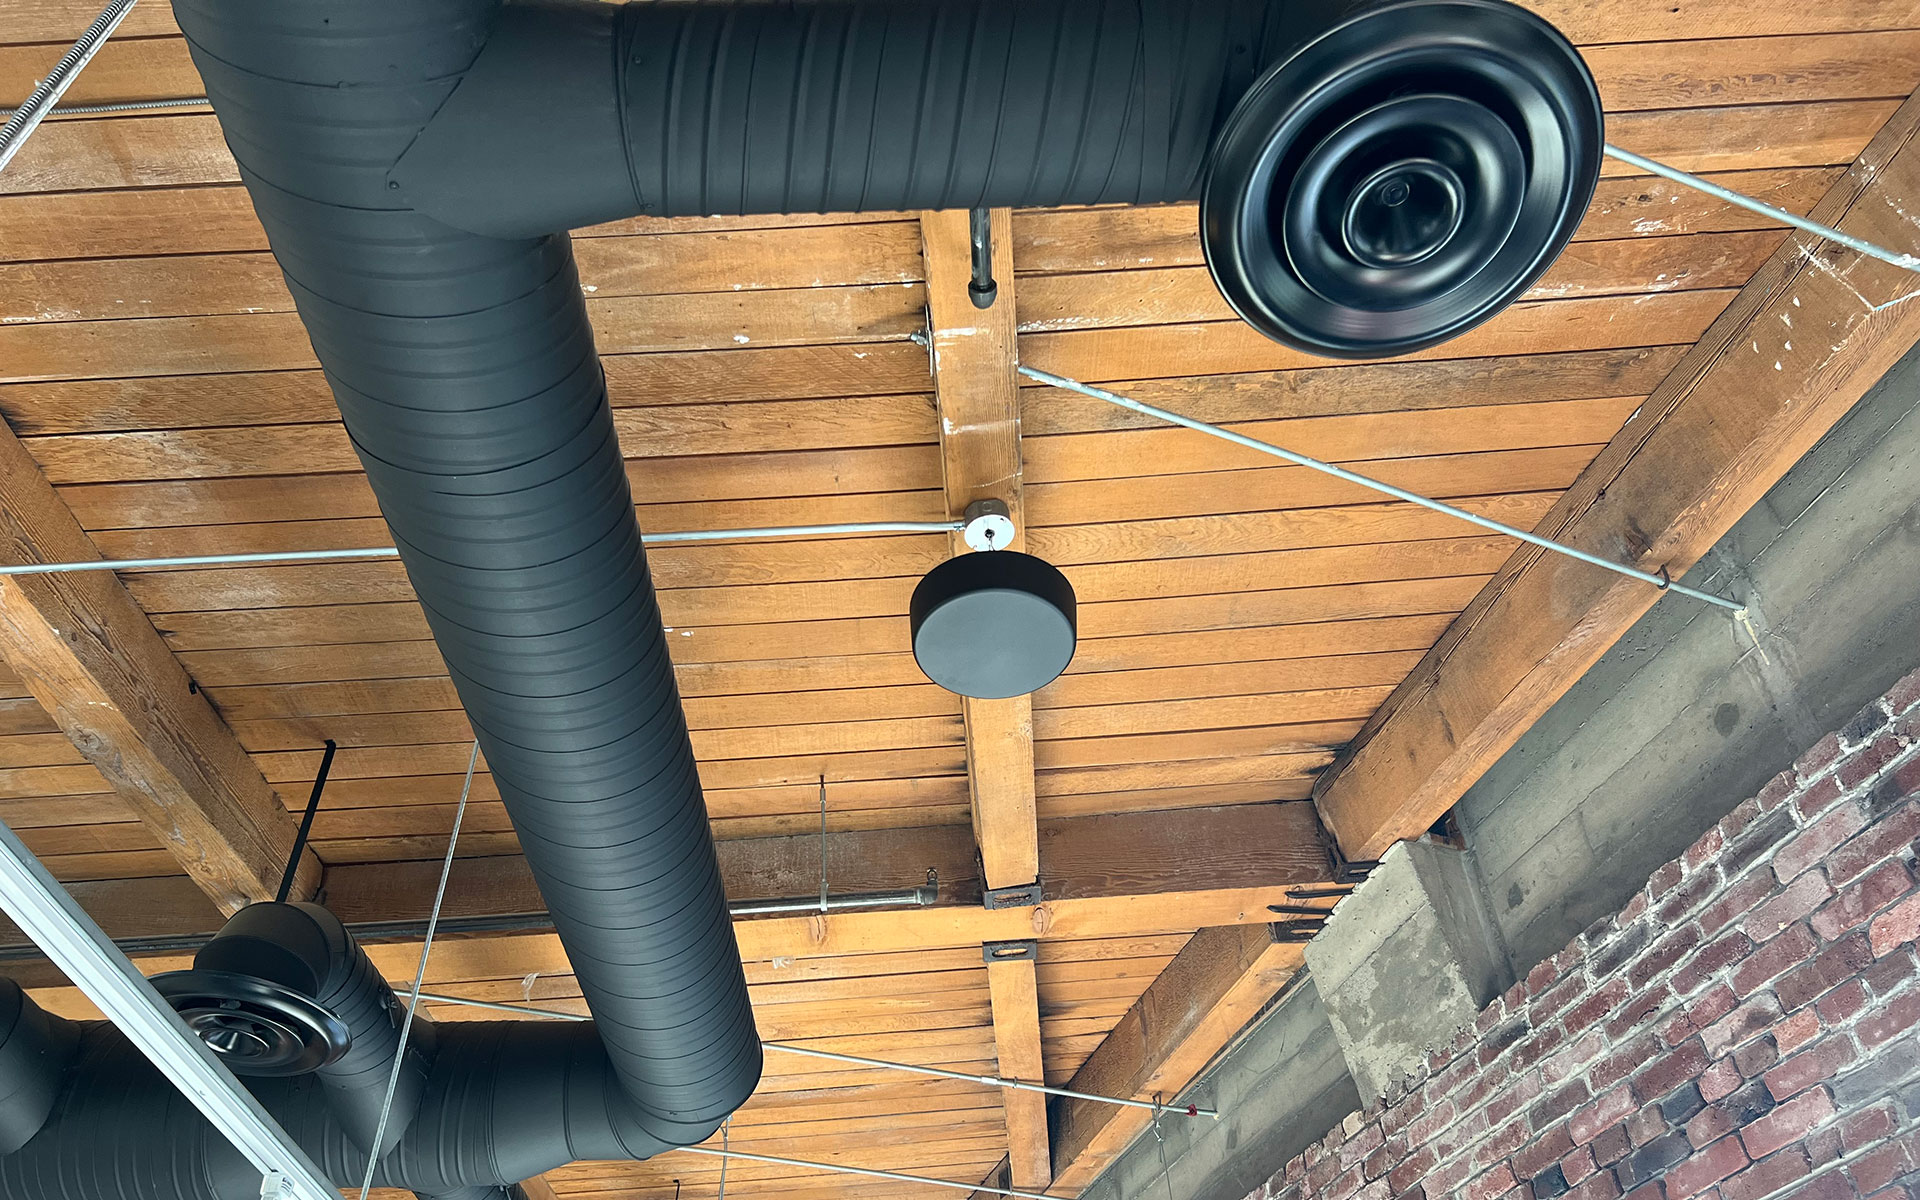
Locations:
{"points": [[1405, 962]]}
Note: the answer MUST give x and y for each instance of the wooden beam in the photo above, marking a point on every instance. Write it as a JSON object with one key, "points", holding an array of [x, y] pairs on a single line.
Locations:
{"points": [[1801, 343], [1014, 989], [1218, 982], [1113, 876], [979, 408], [94, 661], [536, 1188]]}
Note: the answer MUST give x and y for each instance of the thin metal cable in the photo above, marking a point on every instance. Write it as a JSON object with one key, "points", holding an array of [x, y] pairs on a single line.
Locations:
{"points": [[288, 556], [1160, 1109], [726, 1133], [1898, 259], [120, 106], [1166, 1172], [1661, 581], [823, 844], [23, 120], [419, 977], [869, 1172]]}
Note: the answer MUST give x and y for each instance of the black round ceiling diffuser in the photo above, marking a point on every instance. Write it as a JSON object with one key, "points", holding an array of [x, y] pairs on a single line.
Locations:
{"points": [[253, 1025], [1402, 177], [993, 624]]}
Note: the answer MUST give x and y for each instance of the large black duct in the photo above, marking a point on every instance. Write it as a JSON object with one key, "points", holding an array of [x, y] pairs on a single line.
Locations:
{"points": [[415, 163]]}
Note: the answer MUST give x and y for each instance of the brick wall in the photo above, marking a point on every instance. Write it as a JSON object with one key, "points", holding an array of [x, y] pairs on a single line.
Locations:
{"points": [[1744, 1029]]}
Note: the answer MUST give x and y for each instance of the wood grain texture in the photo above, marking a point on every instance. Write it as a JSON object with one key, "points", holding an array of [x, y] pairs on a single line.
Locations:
{"points": [[1213, 987], [978, 401], [94, 662], [1802, 342], [1014, 989]]}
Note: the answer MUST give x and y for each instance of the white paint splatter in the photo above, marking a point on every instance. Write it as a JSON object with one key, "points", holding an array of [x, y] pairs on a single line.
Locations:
{"points": [[742, 338], [1776, 366], [588, 287]]}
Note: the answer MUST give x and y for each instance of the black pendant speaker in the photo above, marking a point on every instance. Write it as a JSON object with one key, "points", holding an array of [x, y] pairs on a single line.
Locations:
{"points": [[993, 624], [1402, 177]]}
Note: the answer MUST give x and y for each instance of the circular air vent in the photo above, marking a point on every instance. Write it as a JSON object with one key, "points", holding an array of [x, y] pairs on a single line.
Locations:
{"points": [[1402, 177], [994, 624], [254, 1026]]}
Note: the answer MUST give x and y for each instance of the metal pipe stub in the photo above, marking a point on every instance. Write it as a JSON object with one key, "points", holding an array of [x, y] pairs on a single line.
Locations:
{"points": [[1402, 177]]}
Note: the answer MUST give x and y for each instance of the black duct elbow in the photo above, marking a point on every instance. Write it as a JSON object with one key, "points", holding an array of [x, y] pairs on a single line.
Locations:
{"points": [[284, 989], [35, 1050]]}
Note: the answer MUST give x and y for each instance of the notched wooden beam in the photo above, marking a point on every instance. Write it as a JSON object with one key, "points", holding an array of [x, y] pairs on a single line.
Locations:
{"points": [[94, 661]]}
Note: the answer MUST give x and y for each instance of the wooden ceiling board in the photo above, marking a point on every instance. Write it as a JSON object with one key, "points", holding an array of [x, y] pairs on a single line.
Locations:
{"points": [[1240, 620]]}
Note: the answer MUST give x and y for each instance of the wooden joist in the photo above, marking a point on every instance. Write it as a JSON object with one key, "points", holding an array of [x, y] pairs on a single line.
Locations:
{"points": [[1014, 987], [1106, 876], [94, 662], [978, 402], [1218, 982], [1800, 344]]}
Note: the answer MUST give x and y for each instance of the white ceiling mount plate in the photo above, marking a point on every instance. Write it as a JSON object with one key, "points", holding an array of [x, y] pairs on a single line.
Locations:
{"points": [[989, 525]]}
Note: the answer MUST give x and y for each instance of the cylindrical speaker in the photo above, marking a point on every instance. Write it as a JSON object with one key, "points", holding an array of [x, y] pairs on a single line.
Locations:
{"points": [[1402, 177]]}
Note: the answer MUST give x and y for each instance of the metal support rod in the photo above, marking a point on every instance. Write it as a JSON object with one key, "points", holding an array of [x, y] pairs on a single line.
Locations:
{"points": [[306, 822], [40, 101], [1898, 259], [869, 1172], [823, 843], [287, 556], [120, 106], [982, 289], [1660, 581], [49, 915], [1018, 1085]]}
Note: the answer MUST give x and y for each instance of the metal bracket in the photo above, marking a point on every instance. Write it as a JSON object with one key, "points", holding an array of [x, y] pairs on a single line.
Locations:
{"points": [[981, 289], [989, 525], [1296, 932], [1319, 893], [1298, 910], [1025, 895], [1354, 872], [993, 952]]}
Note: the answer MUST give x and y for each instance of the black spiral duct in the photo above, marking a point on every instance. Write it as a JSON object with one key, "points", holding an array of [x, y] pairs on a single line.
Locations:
{"points": [[415, 163]]}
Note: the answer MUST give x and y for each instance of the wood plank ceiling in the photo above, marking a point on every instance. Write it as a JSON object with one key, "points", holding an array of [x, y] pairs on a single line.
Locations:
{"points": [[1240, 621]]}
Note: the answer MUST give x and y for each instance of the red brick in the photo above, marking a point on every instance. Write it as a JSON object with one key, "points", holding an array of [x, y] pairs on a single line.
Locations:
{"points": [[1571, 1059], [1496, 1182], [1718, 1080], [1736, 902], [1610, 1107], [1821, 793], [1556, 1105], [1600, 1187], [1867, 762], [1819, 756], [1664, 1073], [1578, 1165], [1832, 967], [1816, 1065], [1775, 959], [1868, 1125], [1796, 1031], [1896, 927], [1595, 1007], [1843, 1003], [1741, 1024], [1788, 1123], [1665, 879], [1813, 844], [1668, 951], [1888, 1020], [1705, 1168], [1541, 1153], [1717, 1002], [1878, 1168], [1765, 1178], [1542, 976], [1611, 1145], [1886, 839], [1756, 1056], [1904, 695], [1796, 901], [1625, 1061], [1709, 960], [1702, 851], [1853, 906], [1697, 890]]}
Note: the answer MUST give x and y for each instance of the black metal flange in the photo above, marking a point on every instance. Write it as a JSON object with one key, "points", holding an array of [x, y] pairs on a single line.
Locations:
{"points": [[255, 1026], [1402, 177]]}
